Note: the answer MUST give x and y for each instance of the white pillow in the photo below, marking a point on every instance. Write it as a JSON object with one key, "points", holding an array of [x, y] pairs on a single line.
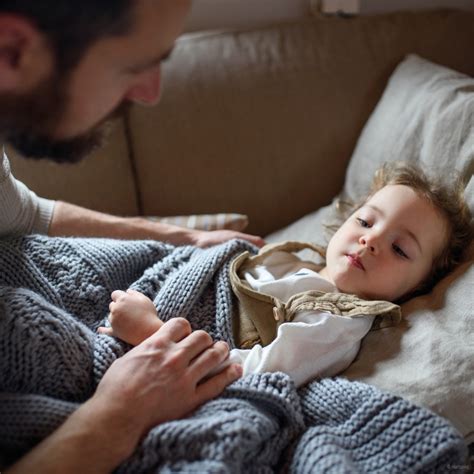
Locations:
{"points": [[426, 116]]}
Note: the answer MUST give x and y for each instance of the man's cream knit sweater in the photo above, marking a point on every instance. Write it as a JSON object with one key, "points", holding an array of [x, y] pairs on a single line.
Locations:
{"points": [[21, 210]]}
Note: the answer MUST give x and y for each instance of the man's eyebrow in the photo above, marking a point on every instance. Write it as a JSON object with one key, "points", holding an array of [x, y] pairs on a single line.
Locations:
{"points": [[407, 231], [150, 64]]}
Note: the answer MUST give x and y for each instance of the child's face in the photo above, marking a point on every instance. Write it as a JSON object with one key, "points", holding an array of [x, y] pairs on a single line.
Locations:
{"points": [[387, 247]]}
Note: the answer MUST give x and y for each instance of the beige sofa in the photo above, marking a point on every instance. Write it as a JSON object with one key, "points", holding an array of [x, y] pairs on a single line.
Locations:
{"points": [[261, 122], [264, 122]]}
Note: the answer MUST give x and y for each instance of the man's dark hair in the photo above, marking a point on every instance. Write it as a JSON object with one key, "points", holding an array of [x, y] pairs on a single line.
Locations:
{"points": [[71, 27]]}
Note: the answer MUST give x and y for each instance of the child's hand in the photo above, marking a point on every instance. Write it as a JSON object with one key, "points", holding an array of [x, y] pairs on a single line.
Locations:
{"points": [[133, 317]]}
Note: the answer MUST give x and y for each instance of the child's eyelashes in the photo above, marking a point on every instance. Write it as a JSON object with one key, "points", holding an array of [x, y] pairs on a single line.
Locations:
{"points": [[399, 251], [362, 222]]}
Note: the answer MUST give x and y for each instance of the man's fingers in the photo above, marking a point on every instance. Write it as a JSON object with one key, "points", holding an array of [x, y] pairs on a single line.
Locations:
{"points": [[209, 359], [258, 241], [175, 329], [214, 386], [253, 239], [196, 343]]}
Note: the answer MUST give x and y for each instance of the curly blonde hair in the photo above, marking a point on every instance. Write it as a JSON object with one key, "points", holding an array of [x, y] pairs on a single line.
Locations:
{"points": [[446, 194]]}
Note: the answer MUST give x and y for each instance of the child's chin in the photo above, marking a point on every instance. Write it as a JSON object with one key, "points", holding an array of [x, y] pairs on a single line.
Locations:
{"points": [[345, 286], [354, 289]]}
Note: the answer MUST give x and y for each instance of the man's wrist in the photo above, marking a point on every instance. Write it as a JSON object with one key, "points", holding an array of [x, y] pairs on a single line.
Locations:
{"points": [[102, 423], [93, 439]]}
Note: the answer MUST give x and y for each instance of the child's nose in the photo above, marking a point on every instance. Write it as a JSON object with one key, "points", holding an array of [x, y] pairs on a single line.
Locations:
{"points": [[370, 242]]}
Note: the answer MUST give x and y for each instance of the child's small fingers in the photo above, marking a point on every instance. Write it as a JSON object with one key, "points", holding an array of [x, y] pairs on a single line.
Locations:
{"points": [[133, 292], [106, 331], [116, 294]]}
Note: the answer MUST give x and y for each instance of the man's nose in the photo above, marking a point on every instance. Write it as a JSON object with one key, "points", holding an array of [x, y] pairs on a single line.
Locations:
{"points": [[147, 88], [371, 242]]}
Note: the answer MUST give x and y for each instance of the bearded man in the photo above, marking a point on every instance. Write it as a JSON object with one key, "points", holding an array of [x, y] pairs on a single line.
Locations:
{"points": [[66, 68]]}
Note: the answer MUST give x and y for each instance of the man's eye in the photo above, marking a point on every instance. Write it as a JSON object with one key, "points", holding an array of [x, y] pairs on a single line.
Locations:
{"points": [[362, 222], [399, 251]]}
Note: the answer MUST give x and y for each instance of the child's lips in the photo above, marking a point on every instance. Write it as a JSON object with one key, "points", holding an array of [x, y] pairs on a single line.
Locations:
{"points": [[355, 261]]}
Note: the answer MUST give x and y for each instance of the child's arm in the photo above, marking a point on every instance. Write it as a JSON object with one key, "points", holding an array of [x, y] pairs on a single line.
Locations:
{"points": [[133, 317], [315, 344]]}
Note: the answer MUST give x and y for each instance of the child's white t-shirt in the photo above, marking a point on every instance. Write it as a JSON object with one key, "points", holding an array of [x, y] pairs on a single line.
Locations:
{"points": [[314, 344]]}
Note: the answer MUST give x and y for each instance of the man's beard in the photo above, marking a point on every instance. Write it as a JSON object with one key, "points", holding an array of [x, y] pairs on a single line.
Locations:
{"points": [[26, 122]]}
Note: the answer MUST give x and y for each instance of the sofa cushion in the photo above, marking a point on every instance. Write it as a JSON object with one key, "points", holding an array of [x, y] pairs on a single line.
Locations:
{"points": [[425, 116]]}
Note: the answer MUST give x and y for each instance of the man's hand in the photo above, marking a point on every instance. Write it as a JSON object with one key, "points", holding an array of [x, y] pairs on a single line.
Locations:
{"points": [[202, 238], [133, 317], [161, 379], [157, 381]]}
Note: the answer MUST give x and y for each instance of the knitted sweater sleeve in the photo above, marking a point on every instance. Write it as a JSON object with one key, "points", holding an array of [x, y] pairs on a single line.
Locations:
{"points": [[21, 210]]}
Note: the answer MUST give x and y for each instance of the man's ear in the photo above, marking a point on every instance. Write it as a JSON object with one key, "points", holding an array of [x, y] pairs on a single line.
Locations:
{"points": [[24, 54]]}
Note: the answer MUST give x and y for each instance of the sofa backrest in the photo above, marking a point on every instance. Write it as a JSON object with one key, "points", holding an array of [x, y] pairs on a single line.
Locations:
{"points": [[261, 122]]}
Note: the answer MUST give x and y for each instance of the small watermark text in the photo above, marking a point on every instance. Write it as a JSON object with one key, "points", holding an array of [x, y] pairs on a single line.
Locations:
{"points": [[450, 467]]}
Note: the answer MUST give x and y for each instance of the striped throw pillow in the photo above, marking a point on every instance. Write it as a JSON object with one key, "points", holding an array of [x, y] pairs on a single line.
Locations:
{"points": [[229, 221]]}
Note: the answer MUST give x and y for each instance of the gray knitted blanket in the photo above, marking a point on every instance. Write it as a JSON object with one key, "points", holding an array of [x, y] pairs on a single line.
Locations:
{"points": [[54, 293]]}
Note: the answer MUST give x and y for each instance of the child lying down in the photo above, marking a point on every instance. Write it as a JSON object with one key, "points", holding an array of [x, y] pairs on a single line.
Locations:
{"points": [[296, 317]]}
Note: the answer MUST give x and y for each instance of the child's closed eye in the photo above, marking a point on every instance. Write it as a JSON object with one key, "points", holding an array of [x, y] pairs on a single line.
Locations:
{"points": [[362, 222], [398, 250]]}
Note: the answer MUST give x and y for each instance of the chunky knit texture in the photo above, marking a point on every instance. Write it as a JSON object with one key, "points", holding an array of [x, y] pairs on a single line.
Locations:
{"points": [[54, 293]]}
